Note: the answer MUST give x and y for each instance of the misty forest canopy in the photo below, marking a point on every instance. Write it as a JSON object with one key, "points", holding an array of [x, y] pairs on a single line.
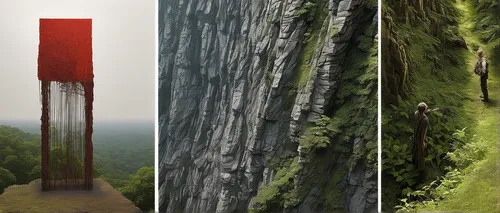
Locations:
{"points": [[19, 157], [123, 156]]}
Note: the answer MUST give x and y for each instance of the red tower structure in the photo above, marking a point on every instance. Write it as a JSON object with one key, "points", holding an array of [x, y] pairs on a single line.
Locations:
{"points": [[65, 70]]}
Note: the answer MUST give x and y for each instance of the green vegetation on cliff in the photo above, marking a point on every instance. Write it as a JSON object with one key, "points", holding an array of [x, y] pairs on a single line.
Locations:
{"points": [[327, 150], [314, 14], [6, 179], [140, 188]]}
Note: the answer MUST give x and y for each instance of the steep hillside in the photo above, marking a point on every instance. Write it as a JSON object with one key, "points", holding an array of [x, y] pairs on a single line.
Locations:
{"points": [[267, 106], [429, 53]]}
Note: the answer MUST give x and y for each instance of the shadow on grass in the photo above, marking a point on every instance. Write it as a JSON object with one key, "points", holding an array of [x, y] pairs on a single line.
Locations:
{"points": [[491, 103]]}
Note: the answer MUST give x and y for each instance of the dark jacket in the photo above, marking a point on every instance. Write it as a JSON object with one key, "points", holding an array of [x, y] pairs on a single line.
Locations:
{"points": [[420, 130]]}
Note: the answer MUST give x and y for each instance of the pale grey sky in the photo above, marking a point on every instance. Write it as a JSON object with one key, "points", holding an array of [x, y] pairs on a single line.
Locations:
{"points": [[124, 56]]}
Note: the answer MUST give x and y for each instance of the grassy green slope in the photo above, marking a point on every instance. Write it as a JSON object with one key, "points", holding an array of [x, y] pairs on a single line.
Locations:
{"points": [[471, 182], [437, 71], [479, 189]]}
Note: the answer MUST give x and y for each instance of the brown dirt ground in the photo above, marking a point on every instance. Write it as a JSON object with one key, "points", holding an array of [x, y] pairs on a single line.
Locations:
{"points": [[30, 199]]}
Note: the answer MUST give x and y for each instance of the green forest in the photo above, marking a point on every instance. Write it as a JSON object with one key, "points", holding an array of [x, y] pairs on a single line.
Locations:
{"points": [[123, 156], [429, 51]]}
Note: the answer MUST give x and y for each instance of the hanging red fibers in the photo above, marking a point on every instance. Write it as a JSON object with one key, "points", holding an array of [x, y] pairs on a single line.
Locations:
{"points": [[66, 73]]}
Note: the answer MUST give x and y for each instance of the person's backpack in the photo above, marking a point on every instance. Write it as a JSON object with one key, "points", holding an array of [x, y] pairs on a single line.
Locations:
{"points": [[478, 67]]}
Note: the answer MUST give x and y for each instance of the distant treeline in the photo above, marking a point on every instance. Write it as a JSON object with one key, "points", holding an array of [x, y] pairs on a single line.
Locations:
{"points": [[123, 156]]}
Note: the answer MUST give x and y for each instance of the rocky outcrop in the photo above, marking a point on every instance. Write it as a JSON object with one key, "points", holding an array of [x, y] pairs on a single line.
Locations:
{"points": [[229, 98], [31, 198]]}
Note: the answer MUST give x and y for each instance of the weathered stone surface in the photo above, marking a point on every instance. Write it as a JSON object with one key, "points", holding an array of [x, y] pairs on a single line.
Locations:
{"points": [[31, 198], [225, 67]]}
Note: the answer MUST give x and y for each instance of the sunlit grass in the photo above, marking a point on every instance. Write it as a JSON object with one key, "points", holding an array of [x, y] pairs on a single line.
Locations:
{"points": [[480, 189]]}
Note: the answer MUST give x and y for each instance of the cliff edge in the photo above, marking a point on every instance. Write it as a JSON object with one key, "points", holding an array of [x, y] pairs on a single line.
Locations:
{"points": [[30, 198]]}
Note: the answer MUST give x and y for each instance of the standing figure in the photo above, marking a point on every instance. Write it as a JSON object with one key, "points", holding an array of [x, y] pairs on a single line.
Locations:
{"points": [[420, 130], [481, 69]]}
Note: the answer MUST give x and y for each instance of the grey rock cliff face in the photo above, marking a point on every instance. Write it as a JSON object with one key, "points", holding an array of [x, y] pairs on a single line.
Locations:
{"points": [[225, 69]]}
